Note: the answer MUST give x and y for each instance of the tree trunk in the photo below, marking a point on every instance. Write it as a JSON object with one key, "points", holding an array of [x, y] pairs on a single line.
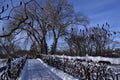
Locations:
{"points": [[54, 46], [44, 47], [41, 47]]}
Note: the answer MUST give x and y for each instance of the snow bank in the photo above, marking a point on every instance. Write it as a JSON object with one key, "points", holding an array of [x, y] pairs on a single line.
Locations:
{"points": [[99, 58], [2, 62], [23, 75], [61, 74], [96, 59]]}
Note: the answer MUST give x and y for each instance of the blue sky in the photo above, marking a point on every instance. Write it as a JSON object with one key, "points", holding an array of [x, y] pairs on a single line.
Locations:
{"points": [[100, 11]]}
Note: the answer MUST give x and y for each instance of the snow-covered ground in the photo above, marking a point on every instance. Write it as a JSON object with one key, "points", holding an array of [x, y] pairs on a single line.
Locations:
{"points": [[65, 76], [61, 74], [55, 59], [23, 72], [35, 70], [96, 59], [2, 62], [16, 65]]}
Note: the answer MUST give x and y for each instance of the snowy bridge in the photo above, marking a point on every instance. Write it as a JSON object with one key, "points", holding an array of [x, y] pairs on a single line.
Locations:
{"points": [[35, 70]]}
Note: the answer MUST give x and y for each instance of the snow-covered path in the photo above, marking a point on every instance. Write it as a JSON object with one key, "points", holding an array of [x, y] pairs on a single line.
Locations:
{"points": [[37, 71]]}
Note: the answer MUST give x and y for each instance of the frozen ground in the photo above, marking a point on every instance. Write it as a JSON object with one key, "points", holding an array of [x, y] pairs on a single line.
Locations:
{"points": [[98, 58]]}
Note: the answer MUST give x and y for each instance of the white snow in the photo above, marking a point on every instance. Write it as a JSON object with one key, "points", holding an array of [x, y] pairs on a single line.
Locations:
{"points": [[2, 62], [23, 75], [61, 74], [35, 70], [96, 59], [112, 60]]}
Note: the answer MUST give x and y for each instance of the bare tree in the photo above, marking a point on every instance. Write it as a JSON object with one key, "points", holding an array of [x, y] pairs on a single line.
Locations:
{"points": [[92, 41], [9, 16], [101, 36], [77, 41], [9, 45], [30, 19], [36, 20], [61, 15]]}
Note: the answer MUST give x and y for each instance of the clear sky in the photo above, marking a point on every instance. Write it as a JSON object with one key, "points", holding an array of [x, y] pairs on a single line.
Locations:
{"points": [[100, 11]]}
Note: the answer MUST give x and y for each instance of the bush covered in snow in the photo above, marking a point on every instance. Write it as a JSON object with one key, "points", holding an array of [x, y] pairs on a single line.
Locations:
{"points": [[82, 68], [13, 69]]}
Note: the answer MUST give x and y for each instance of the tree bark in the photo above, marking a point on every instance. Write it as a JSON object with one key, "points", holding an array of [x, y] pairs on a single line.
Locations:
{"points": [[54, 46]]}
